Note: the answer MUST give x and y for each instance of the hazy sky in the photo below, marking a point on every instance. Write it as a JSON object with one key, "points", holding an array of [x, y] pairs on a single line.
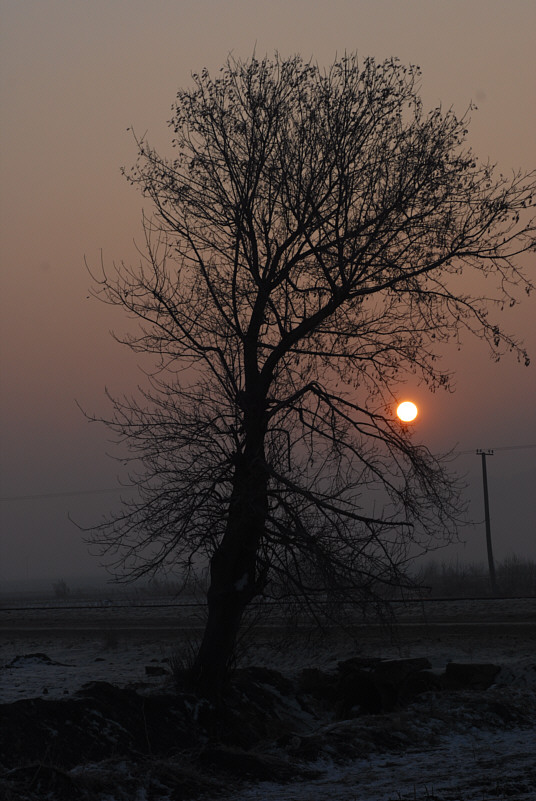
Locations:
{"points": [[75, 74]]}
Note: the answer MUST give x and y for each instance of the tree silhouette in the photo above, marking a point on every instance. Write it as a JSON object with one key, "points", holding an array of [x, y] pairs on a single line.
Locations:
{"points": [[304, 256]]}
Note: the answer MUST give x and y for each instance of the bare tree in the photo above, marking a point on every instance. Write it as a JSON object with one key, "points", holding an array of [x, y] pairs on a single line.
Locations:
{"points": [[304, 257]]}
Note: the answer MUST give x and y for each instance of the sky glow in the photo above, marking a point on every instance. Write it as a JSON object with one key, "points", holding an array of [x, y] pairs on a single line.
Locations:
{"points": [[74, 77]]}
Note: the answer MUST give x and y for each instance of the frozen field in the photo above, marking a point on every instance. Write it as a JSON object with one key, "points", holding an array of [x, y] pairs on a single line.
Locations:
{"points": [[114, 641], [450, 750]]}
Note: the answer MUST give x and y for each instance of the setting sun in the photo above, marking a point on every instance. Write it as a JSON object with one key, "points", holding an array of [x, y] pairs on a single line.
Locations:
{"points": [[407, 411]]}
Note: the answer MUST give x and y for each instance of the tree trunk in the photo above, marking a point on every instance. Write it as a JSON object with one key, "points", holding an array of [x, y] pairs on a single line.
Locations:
{"points": [[211, 667], [234, 579]]}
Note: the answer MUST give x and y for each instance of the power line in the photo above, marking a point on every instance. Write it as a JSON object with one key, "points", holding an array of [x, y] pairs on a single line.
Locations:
{"points": [[514, 447], [104, 490], [504, 448], [62, 494]]}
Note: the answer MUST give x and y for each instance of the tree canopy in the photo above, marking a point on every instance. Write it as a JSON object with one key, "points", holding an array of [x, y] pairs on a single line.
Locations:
{"points": [[309, 243]]}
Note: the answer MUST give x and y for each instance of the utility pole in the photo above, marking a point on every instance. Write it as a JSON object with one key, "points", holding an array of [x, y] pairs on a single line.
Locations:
{"points": [[491, 563]]}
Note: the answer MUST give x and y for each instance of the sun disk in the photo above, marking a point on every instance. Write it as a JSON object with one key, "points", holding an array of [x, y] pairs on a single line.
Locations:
{"points": [[407, 411]]}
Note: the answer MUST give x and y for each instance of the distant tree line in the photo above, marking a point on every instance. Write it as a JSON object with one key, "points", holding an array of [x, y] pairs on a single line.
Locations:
{"points": [[516, 577]]}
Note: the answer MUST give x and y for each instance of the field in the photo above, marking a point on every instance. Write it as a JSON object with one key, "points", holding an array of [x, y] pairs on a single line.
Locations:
{"points": [[467, 743]]}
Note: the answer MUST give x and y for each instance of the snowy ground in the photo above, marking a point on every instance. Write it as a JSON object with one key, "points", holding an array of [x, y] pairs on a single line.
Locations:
{"points": [[477, 766], [119, 661], [458, 756]]}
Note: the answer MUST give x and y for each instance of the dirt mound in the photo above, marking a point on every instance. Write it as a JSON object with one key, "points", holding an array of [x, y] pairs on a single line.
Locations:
{"points": [[100, 720], [69, 747], [270, 727], [26, 660]]}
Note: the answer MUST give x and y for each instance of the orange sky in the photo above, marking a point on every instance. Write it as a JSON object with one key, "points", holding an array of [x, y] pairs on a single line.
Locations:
{"points": [[74, 76]]}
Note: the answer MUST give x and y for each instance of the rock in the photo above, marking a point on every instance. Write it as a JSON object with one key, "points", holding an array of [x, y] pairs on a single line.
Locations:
{"points": [[38, 658], [315, 682], [264, 676], [155, 670], [249, 765], [374, 686], [423, 681], [357, 663], [25, 660], [397, 669], [45, 781], [258, 706], [474, 675]]}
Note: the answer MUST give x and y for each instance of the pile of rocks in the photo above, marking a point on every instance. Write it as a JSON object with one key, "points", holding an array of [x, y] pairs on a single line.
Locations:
{"points": [[269, 726]]}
